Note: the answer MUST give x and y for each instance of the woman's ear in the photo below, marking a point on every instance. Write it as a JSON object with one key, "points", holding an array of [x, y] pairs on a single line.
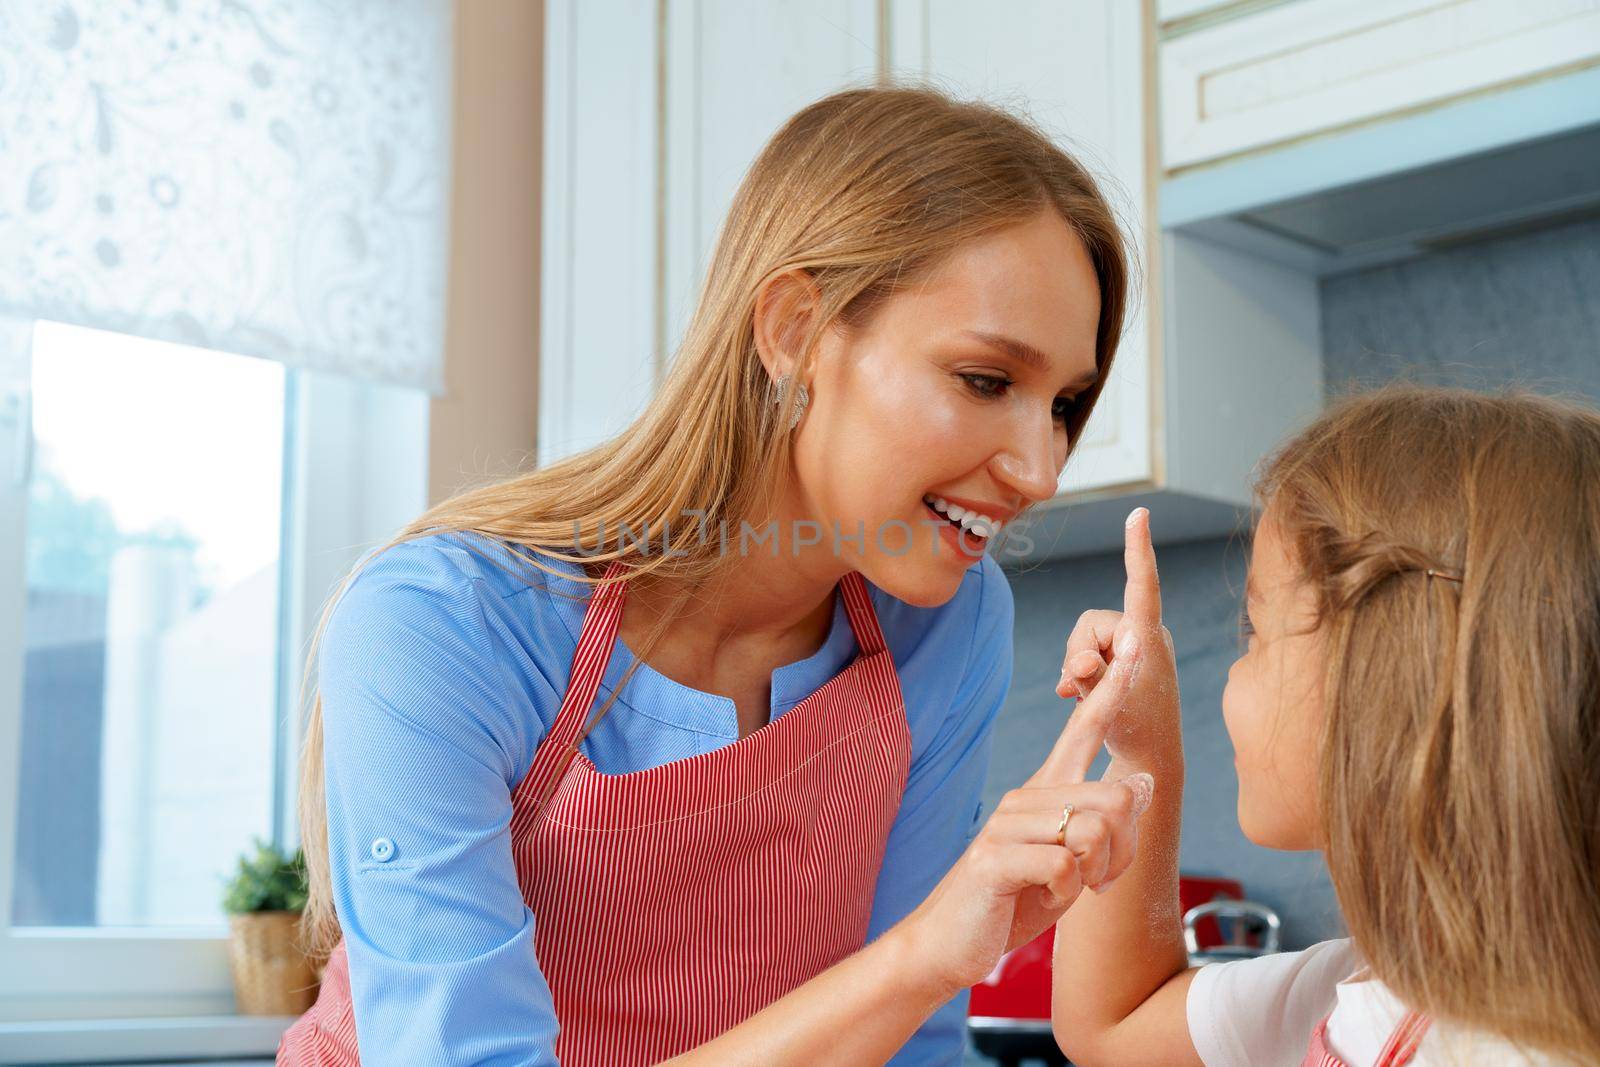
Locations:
{"points": [[786, 307]]}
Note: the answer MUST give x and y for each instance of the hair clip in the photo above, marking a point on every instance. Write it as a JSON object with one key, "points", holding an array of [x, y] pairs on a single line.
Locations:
{"points": [[1441, 574]]}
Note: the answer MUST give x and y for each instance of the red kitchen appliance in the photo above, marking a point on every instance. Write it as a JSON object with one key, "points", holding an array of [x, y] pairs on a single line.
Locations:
{"points": [[1009, 1015]]}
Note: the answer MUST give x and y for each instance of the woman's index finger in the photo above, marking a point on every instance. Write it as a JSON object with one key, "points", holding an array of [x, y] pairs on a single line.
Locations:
{"points": [[1142, 598], [1080, 741]]}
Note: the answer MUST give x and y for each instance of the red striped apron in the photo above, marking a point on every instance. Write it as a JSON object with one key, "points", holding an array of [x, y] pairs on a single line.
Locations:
{"points": [[674, 902], [1398, 1050]]}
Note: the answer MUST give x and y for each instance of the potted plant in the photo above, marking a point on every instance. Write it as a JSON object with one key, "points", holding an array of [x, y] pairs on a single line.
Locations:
{"points": [[264, 899]]}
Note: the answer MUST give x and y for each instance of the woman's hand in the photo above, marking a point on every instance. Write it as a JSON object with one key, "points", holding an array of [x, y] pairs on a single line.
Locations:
{"points": [[1150, 733], [1015, 878]]}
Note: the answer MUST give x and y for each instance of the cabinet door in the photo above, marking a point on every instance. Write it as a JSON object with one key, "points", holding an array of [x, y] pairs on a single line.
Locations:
{"points": [[736, 70], [1078, 70], [1293, 70], [651, 124], [598, 279], [652, 114]]}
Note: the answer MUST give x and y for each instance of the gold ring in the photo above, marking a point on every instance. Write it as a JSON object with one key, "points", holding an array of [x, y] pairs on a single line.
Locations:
{"points": [[1061, 830]]}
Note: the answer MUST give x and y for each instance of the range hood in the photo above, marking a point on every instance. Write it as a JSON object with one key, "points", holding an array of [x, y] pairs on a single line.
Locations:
{"points": [[1488, 166], [1539, 183]]}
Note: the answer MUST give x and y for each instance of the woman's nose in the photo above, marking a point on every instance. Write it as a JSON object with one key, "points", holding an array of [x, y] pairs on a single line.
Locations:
{"points": [[1028, 463]]}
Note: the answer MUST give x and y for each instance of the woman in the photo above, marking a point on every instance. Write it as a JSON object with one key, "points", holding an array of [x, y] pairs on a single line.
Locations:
{"points": [[909, 316]]}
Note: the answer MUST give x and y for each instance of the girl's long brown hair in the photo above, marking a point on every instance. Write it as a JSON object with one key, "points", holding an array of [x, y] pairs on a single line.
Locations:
{"points": [[1460, 772], [865, 190]]}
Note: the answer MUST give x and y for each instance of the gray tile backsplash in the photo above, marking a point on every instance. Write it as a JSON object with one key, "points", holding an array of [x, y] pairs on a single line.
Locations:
{"points": [[1522, 309]]}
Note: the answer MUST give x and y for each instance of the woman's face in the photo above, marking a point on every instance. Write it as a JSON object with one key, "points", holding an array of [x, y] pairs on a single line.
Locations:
{"points": [[935, 396], [1273, 701]]}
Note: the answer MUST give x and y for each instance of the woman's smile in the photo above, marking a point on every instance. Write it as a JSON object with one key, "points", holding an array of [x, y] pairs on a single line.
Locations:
{"points": [[964, 544], [964, 526]]}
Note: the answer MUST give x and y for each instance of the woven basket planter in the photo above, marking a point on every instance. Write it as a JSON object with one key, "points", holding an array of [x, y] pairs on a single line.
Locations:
{"points": [[271, 976]]}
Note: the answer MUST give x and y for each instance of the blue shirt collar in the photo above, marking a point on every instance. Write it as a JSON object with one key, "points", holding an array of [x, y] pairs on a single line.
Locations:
{"points": [[653, 694]]}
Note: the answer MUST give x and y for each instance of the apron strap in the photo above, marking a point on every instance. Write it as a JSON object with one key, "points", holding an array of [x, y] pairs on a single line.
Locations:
{"points": [[1397, 1051], [1403, 1043], [589, 661], [863, 620]]}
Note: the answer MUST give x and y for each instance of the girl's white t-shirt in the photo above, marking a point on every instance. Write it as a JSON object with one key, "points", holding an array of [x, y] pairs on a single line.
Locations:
{"points": [[1261, 1013]]}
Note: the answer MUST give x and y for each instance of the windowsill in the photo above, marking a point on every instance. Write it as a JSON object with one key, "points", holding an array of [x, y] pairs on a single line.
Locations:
{"points": [[132, 1040]]}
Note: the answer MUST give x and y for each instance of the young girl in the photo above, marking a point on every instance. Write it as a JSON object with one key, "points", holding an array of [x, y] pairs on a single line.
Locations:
{"points": [[1419, 700]]}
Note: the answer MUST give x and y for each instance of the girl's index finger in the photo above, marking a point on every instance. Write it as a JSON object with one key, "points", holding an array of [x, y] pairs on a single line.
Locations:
{"points": [[1142, 599]]}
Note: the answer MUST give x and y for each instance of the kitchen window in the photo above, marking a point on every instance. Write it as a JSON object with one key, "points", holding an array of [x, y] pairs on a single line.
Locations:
{"points": [[153, 555], [173, 519]]}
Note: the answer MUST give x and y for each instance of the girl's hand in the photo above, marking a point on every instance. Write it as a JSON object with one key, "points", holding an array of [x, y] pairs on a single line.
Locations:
{"points": [[1015, 878], [1150, 733]]}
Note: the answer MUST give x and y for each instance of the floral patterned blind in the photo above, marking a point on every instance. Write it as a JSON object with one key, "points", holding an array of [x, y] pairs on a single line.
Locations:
{"points": [[263, 177]]}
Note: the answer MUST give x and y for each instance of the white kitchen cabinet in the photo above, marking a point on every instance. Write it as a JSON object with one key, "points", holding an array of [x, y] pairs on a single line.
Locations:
{"points": [[653, 118], [1269, 77], [1077, 70], [600, 293], [722, 107]]}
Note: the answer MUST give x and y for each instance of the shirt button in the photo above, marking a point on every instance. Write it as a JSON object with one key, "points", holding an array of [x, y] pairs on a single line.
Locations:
{"points": [[382, 850]]}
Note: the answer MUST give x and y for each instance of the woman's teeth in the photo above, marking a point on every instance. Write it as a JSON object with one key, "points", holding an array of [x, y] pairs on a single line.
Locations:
{"points": [[970, 521]]}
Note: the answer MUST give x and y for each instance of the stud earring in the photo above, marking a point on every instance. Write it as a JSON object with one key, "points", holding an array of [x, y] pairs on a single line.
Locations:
{"points": [[801, 398]]}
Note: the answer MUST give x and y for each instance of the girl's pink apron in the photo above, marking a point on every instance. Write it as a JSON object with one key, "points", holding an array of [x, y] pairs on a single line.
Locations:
{"points": [[672, 903], [1397, 1051]]}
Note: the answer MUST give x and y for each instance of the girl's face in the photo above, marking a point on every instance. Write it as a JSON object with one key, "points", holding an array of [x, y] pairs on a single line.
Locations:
{"points": [[1273, 701], [958, 388]]}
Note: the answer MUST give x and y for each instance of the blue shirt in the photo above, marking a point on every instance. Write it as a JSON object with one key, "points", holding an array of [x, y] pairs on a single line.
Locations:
{"points": [[440, 672]]}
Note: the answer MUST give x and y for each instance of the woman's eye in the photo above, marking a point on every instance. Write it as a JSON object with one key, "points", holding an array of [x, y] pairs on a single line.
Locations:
{"points": [[990, 386], [987, 384], [1246, 628]]}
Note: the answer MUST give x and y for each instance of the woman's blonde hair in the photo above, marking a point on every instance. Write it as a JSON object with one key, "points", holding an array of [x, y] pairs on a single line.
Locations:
{"points": [[865, 191], [1460, 772]]}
